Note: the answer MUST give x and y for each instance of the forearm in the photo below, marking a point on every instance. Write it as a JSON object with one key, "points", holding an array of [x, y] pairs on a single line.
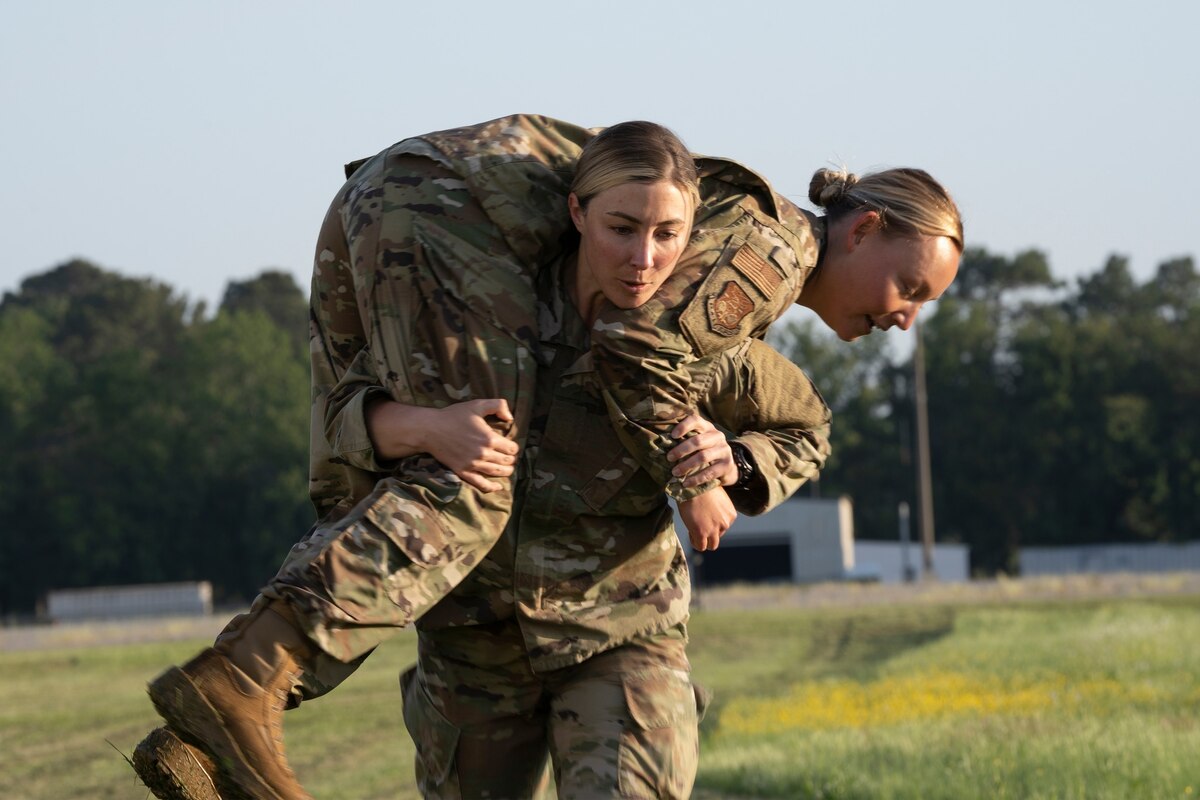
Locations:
{"points": [[397, 430]]}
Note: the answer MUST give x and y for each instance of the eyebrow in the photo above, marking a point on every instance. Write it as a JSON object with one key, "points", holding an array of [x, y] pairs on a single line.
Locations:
{"points": [[632, 218]]}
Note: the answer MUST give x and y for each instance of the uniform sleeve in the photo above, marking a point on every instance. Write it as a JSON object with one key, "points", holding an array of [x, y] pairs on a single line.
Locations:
{"points": [[342, 465], [774, 410], [345, 415], [655, 361], [642, 360], [335, 335]]}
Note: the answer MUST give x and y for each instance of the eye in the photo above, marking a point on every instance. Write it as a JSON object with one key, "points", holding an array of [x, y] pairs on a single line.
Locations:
{"points": [[622, 230], [666, 235]]}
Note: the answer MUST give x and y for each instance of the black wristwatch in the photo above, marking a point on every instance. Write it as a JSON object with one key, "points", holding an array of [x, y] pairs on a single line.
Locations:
{"points": [[745, 464]]}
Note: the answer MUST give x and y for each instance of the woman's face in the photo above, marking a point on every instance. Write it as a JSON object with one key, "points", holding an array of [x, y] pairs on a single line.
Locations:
{"points": [[871, 279], [631, 237]]}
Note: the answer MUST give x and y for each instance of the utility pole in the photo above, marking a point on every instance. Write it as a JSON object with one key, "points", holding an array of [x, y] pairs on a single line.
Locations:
{"points": [[924, 485], [907, 572]]}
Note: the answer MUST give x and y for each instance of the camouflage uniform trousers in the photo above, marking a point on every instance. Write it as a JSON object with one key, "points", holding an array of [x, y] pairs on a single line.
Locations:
{"points": [[442, 316], [623, 723]]}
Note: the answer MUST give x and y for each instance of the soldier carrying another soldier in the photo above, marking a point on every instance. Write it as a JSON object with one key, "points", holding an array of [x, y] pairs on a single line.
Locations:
{"points": [[428, 297]]}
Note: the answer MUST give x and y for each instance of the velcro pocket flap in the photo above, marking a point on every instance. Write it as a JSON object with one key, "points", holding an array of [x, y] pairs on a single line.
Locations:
{"points": [[660, 698], [409, 524]]}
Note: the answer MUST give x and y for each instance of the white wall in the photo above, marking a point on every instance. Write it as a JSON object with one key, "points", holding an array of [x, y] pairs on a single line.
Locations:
{"points": [[1148, 557], [115, 602], [821, 533], [885, 561]]}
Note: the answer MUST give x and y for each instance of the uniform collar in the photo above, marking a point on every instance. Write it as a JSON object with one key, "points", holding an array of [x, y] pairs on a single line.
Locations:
{"points": [[739, 177]]}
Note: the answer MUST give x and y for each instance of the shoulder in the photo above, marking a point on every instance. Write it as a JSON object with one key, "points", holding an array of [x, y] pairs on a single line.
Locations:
{"points": [[515, 137]]}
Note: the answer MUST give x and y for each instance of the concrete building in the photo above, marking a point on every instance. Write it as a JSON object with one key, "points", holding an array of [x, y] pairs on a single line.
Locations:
{"points": [[891, 561], [807, 540]]}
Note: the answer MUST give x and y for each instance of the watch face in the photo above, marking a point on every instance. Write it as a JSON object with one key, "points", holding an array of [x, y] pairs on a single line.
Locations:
{"points": [[740, 458]]}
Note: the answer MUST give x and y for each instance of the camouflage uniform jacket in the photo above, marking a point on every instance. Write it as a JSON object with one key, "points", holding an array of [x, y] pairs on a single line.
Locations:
{"points": [[746, 264], [590, 558], [518, 169]]}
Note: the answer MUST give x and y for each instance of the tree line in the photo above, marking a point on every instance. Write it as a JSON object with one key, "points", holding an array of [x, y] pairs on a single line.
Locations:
{"points": [[145, 439], [1059, 414]]}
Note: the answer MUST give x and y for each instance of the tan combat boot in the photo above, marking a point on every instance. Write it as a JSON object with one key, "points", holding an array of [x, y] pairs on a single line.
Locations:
{"points": [[229, 701], [173, 769]]}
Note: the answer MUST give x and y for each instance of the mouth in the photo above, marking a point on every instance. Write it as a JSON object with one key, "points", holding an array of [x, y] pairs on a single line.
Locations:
{"points": [[871, 323]]}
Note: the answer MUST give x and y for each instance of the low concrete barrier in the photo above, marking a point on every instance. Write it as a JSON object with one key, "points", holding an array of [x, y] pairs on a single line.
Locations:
{"points": [[191, 598]]}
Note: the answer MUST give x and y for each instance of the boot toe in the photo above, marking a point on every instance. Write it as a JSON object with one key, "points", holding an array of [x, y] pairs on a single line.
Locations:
{"points": [[173, 769]]}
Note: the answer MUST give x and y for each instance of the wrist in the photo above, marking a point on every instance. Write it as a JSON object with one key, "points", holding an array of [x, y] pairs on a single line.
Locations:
{"points": [[398, 430], [744, 463]]}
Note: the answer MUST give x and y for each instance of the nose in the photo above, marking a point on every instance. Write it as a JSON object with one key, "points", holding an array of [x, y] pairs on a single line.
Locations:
{"points": [[642, 256], [907, 316]]}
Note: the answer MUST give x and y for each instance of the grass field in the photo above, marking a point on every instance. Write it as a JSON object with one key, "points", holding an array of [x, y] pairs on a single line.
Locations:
{"points": [[1069, 698]]}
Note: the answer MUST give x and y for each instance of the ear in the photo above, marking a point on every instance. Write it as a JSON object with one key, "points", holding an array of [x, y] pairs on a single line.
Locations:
{"points": [[863, 224], [577, 212]]}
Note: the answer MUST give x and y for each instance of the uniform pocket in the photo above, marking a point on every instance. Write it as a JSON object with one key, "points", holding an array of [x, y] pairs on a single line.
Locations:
{"points": [[660, 751], [618, 467], [410, 525], [435, 736], [660, 698], [621, 487], [602, 474]]}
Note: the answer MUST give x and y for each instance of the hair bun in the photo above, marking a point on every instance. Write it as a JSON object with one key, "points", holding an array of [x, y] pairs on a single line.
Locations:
{"points": [[828, 187]]}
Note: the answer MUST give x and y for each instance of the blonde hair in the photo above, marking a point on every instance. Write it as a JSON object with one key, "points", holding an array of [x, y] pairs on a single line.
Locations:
{"points": [[634, 152], [909, 201]]}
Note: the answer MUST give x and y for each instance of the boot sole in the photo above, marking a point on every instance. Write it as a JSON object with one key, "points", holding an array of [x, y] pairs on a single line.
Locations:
{"points": [[173, 770], [187, 710]]}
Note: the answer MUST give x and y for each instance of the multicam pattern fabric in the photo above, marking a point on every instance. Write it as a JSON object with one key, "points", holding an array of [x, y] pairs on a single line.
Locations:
{"points": [[423, 289], [515, 171], [590, 558], [426, 277], [431, 231], [622, 724], [750, 253], [416, 296]]}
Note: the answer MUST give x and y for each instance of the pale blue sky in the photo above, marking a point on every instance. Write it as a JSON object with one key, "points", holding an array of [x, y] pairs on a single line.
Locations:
{"points": [[198, 142]]}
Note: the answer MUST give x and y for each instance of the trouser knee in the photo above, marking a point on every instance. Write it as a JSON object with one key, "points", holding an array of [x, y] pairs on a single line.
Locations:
{"points": [[382, 566], [634, 734]]}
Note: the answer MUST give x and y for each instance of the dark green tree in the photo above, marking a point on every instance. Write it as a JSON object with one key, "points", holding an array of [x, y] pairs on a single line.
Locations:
{"points": [[978, 435], [145, 442], [275, 294], [869, 440]]}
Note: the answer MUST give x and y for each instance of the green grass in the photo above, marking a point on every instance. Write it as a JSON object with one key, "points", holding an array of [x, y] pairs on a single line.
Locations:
{"points": [[1080, 699], [62, 713], [1110, 689]]}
